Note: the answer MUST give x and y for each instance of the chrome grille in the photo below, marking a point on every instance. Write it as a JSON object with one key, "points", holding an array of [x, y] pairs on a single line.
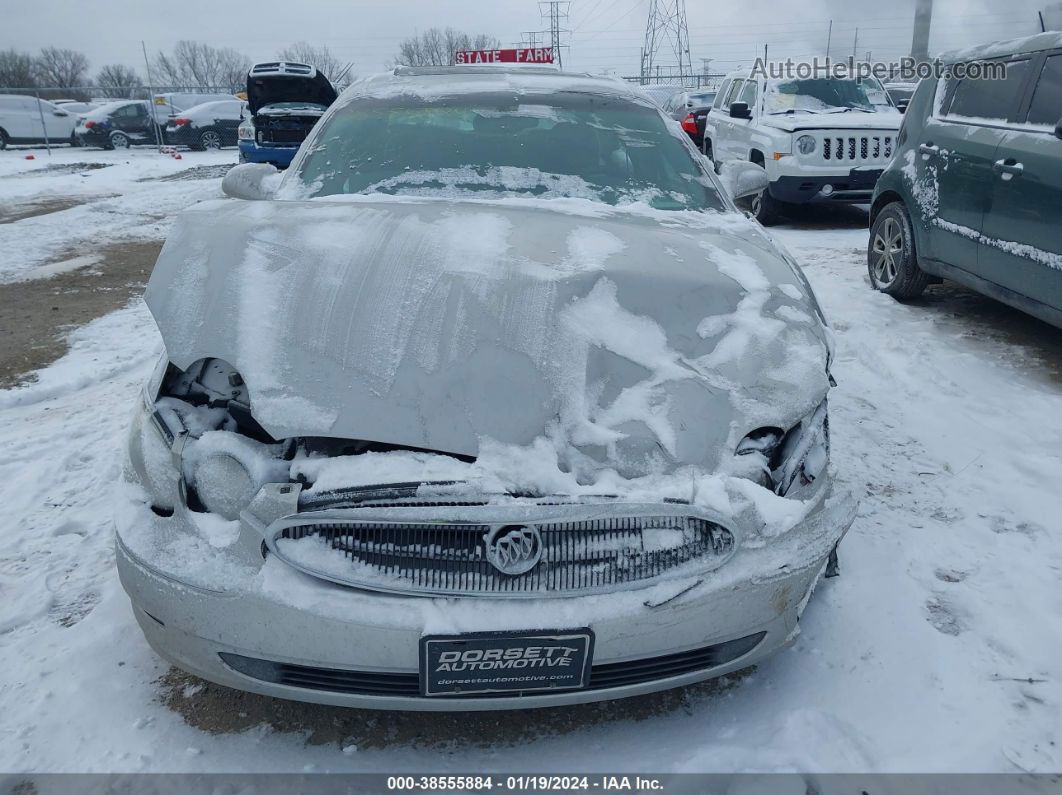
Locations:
{"points": [[577, 557], [856, 148]]}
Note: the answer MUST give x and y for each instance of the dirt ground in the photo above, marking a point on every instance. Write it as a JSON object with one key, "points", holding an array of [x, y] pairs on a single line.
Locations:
{"points": [[34, 315]]}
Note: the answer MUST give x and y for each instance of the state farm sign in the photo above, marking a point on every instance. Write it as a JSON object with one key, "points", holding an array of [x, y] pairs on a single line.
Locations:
{"points": [[529, 55]]}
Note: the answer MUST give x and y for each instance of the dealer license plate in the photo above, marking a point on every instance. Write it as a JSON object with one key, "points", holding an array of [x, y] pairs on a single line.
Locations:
{"points": [[505, 663]]}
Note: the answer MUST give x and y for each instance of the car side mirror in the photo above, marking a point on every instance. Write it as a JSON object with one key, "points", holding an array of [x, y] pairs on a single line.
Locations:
{"points": [[1058, 129], [740, 110], [741, 178], [251, 181]]}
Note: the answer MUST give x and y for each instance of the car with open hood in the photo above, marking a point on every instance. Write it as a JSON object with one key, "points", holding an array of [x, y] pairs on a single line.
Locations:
{"points": [[285, 100], [493, 399], [820, 139]]}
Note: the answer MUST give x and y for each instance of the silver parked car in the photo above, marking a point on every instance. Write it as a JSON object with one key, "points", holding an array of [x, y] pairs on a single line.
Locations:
{"points": [[493, 399]]}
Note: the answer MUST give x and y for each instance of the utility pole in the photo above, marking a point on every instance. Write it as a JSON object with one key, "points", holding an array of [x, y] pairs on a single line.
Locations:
{"points": [[666, 27], [855, 43], [829, 37], [920, 36], [151, 98], [557, 11], [531, 39]]}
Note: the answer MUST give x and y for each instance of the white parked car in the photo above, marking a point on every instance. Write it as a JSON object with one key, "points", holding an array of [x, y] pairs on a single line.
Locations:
{"points": [[21, 121], [820, 140]]}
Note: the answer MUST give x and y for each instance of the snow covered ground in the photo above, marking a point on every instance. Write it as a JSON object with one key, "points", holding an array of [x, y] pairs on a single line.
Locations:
{"points": [[938, 649]]}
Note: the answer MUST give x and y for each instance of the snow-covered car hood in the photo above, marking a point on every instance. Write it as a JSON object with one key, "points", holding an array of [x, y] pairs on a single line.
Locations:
{"points": [[853, 120], [299, 110], [646, 338]]}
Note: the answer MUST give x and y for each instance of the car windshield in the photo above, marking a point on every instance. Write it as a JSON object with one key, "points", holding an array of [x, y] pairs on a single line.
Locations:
{"points": [[564, 145], [822, 95], [702, 99]]}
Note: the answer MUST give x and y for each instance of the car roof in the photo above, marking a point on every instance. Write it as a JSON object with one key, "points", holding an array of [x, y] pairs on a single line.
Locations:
{"points": [[998, 49], [428, 81]]}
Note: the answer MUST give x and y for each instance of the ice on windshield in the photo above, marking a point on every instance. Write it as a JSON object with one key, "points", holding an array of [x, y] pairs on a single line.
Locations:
{"points": [[822, 95], [492, 146]]}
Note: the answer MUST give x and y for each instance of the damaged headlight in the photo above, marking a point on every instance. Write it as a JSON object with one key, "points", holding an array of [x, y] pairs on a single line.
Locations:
{"points": [[151, 444], [195, 427], [788, 460], [245, 132]]}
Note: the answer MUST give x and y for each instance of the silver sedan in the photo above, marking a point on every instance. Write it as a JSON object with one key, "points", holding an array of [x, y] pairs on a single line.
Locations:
{"points": [[492, 400]]}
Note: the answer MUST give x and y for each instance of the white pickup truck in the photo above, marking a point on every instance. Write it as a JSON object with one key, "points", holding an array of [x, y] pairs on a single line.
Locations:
{"points": [[822, 139]]}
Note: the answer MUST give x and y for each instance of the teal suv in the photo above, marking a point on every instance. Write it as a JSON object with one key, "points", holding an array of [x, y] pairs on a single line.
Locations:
{"points": [[974, 192]]}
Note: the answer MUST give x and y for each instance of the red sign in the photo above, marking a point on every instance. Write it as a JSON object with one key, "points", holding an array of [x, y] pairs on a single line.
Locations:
{"points": [[528, 55]]}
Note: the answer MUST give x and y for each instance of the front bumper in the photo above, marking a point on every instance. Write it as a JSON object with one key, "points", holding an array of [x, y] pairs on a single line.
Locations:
{"points": [[280, 155], [855, 186], [225, 614]]}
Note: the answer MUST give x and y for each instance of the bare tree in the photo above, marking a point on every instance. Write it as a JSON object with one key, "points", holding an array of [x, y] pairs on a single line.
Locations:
{"points": [[320, 57], [117, 81], [17, 69], [193, 64], [62, 68], [435, 47]]}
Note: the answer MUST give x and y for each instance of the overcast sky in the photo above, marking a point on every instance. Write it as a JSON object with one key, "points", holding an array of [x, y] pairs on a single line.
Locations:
{"points": [[606, 34]]}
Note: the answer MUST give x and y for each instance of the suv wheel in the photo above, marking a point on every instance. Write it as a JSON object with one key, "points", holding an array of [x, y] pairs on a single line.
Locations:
{"points": [[891, 260], [766, 208], [209, 139], [3, 140], [119, 140]]}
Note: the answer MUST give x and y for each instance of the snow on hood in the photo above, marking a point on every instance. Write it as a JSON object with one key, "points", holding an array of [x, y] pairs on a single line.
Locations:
{"points": [[647, 339], [886, 119]]}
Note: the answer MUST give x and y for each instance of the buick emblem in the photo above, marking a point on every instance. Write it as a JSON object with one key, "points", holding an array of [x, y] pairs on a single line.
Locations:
{"points": [[514, 548]]}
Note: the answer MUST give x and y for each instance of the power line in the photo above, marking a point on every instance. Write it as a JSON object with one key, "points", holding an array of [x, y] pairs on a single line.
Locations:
{"points": [[557, 11], [666, 27]]}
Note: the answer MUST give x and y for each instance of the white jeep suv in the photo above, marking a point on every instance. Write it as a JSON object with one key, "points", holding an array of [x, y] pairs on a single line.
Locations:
{"points": [[822, 139]]}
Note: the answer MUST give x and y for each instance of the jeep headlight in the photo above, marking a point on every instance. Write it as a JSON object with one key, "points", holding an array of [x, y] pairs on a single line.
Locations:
{"points": [[245, 131], [788, 461], [805, 144]]}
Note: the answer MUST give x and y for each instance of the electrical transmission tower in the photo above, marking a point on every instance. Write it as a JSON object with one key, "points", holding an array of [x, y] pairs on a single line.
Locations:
{"points": [[667, 41], [557, 12]]}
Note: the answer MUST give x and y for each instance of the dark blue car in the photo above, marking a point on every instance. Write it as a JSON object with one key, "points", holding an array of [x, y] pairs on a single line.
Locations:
{"points": [[285, 101]]}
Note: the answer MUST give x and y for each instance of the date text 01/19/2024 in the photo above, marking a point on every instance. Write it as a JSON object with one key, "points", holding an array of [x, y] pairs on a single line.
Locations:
{"points": [[523, 783]]}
